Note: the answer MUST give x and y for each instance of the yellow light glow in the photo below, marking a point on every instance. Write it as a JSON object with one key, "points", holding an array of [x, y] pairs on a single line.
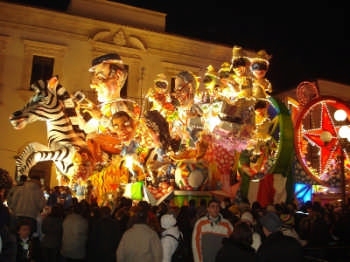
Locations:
{"points": [[326, 136]]}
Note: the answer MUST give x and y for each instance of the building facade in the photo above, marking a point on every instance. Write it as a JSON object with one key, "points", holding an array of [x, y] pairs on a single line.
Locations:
{"points": [[70, 40]]}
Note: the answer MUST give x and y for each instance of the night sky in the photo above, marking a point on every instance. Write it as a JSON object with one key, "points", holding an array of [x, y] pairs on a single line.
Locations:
{"points": [[306, 42]]}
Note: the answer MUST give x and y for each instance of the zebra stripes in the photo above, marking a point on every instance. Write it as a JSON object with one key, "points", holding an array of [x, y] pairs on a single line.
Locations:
{"points": [[53, 104]]}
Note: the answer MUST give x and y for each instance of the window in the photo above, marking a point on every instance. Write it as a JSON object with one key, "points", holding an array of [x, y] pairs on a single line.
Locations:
{"points": [[41, 60], [42, 68]]}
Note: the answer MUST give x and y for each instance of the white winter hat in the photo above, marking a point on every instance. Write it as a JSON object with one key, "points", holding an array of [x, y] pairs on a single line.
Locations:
{"points": [[247, 217], [167, 221]]}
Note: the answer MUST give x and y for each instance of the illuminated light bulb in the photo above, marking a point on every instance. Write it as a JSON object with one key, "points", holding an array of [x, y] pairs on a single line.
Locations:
{"points": [[344, 132], [340, 115]]}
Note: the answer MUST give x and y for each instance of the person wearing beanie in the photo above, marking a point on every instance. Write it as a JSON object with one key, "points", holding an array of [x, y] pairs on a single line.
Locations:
{"points": [[277, 246], [288, 227], [169, 244], [248, 218]]}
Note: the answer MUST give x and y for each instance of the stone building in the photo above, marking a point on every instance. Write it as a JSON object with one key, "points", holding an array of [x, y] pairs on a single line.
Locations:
{"points": [[66, 42]]}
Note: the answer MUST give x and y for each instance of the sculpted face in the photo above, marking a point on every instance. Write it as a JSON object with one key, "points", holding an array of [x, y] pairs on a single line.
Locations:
{"points": [[259, 69], [107, 81], [183, 91], [123, 125]]}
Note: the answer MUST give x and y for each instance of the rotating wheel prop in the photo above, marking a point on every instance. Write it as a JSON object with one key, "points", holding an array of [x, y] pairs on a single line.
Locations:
{"points": [[317, 143], [272, 148]]}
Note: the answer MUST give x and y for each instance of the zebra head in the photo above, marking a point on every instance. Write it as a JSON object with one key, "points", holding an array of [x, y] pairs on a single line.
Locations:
{"points": [[40, 106]]}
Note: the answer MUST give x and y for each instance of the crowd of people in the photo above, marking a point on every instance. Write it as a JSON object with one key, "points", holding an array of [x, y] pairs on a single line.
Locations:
{"points": [[37, 230]]}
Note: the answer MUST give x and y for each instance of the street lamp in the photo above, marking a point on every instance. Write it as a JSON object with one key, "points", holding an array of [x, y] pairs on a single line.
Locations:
{"points": [[344, 139]]}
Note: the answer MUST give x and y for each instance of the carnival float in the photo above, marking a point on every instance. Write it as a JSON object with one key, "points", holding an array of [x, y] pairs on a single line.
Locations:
{"points": [[217, 134]]}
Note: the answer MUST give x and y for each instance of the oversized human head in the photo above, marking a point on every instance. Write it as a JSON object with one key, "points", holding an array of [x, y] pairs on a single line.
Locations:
{"points": [[123, 125], [185, 88], [260, 64], [161, 84], [108, 76], [240, 62]]}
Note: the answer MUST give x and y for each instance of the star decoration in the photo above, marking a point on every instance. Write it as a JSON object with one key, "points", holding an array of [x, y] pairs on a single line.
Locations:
{"points": [[328, 150]]}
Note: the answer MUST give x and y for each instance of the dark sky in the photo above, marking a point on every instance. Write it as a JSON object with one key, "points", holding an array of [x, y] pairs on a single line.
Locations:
{"points": [[306, 41]]}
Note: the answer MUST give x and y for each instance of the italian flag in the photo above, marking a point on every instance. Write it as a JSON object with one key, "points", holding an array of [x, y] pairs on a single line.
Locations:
{"points": [[270, 189]]}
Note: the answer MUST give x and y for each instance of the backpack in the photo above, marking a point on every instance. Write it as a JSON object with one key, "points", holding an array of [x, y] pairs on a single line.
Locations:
{"points": [[181, 252]]}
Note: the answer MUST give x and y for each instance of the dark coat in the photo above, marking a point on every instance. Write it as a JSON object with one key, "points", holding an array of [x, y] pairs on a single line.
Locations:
{"points": [[103, 240], [278, 247], [52, 229], [233, 250]]}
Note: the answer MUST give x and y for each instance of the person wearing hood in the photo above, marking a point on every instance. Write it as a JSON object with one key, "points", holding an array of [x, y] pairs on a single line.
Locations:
{"points": [[169, 244]]}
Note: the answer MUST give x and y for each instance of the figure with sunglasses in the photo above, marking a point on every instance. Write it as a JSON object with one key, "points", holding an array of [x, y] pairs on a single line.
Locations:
{"points": [[262, 87], [158, 97], [242, 77]]}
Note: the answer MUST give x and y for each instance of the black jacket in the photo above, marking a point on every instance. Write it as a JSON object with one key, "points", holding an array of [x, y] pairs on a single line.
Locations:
{"points": [[232, 250]]}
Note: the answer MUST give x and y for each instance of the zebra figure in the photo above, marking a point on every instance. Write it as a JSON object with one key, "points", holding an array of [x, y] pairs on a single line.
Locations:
{"points": [[67, 146]]}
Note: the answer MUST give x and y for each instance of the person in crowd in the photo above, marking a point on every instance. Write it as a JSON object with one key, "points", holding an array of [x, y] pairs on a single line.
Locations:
{"points": [[208, 233], [169, 236], [314, 228], [27, 201], [237, 247], [22, 179], [28, 246], [75, 235], [152, 219], [140, 242], [185, 222], [8, 247], [202, 208], [288, 225], [276, 246], [52, 229], [122, 213], [248, 218], [225, 211], [104, 237], [53, 196]]}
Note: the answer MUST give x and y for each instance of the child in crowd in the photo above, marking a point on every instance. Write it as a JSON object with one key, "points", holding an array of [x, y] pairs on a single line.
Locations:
{"points": [[28, 247]]}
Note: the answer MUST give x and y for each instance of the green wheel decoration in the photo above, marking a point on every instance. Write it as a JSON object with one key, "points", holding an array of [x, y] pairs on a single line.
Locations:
{"points": [[277, 144]]}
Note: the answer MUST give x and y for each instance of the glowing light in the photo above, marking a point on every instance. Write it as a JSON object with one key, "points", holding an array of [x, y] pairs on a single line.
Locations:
{"points": [[344, 132], [326, 136], [213, 122], [340, 115]]}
